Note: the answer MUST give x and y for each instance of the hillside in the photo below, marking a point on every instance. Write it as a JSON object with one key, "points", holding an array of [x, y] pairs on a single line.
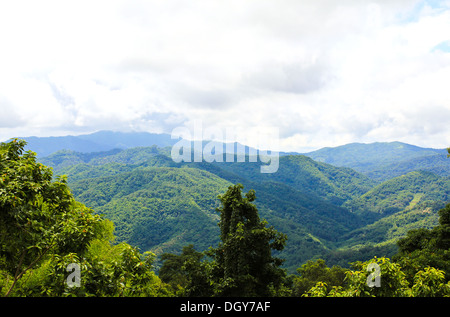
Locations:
{"points": [[329, 182], [150, 199], [438, 164], [157, 207], [327, 211], [391, 209], [400, 193], [377, 159]]}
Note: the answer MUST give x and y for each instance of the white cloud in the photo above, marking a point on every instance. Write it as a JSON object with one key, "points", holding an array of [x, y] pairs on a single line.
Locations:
{"points": [[324, 72]]}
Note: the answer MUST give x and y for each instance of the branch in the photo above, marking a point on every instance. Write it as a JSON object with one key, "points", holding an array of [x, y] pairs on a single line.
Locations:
{"points": [[18, 276]]}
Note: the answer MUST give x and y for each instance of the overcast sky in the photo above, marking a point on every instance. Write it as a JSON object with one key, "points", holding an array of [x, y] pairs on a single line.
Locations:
{"points": [[322, 72]]}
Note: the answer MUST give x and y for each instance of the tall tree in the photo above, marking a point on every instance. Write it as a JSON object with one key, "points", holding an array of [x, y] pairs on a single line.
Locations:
{"points": [[38, 215], [244, 262]]}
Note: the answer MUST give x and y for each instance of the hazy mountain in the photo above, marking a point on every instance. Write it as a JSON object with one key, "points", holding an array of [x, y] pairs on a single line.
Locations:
{"points": [[109, 140], [95, 142], [380, 161]]}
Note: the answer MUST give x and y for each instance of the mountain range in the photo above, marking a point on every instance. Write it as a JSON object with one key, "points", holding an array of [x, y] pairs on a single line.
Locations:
{"points": [[342, 204], [384, 160], [380, 160]]}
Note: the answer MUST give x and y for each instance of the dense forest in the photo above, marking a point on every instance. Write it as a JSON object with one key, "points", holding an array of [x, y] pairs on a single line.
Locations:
{"points": [[134, 223]]}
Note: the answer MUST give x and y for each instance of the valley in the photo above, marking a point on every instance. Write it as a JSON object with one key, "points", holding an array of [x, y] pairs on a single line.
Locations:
{"points": [[340, 204]]}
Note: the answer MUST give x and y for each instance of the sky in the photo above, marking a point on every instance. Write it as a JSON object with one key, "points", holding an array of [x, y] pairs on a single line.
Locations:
{"points": [[320, 73]]}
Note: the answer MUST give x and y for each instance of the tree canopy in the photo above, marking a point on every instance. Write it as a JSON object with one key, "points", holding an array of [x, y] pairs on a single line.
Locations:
{"points": [[44, 232], [245, 264], [242, 264]]}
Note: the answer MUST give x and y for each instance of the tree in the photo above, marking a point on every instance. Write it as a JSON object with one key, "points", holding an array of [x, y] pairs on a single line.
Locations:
{"points": [[244, 262], [317, 271], [44, 231], [423, 248], [38, 216], [186, 273], [429, 282], [416, 239], [420, 268], [443, 229]]}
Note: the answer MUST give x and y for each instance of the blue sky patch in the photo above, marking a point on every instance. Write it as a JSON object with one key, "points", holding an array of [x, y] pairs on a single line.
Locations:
{"points": [[444, 47]]}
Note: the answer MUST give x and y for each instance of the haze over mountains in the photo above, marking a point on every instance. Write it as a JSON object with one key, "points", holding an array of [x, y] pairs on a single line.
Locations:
{"points": [[342, 204], [379, 161]]}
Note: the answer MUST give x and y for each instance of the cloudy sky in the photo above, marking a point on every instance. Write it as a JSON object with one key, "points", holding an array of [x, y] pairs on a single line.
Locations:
{"points": [[322, 72]]}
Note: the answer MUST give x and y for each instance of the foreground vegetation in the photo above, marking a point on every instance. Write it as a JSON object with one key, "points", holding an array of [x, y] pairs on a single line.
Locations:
{"points": [[44, 232]]}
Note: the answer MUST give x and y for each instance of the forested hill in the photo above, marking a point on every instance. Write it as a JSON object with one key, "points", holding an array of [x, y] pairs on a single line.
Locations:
{"points": [[325, 210], [379, 160], [384, 160]]}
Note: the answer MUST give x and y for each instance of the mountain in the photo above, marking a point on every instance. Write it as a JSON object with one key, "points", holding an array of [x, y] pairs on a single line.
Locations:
{"points": [[334, 184], [161, 205], [327, 210], [378, 159], [95, 142], [438, 164], [44, 146], [402, 192], [154, 208], [391, 209], [110, 140]]}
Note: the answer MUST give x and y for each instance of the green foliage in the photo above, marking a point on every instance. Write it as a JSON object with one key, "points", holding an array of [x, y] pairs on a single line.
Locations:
{"points": [[314, 272], [158, 209], [245, 265], [38, 216], [420, 269], [186, 273], [327, 211], [43, 229], [241, 265], [429, 282], [158, 206], [427, 247], [383, 160], [402, 193], [392, 278]]}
